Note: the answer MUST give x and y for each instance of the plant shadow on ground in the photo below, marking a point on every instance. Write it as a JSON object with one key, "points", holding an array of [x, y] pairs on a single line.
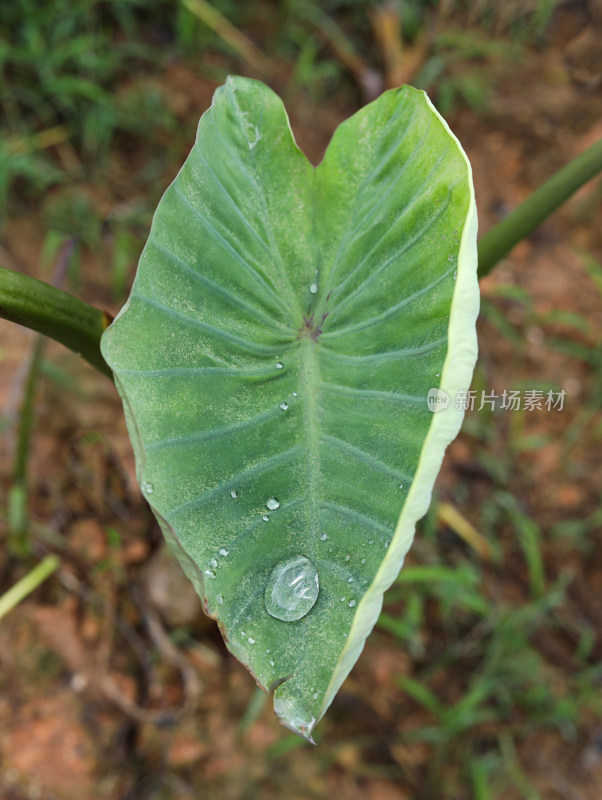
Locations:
{"points": [[482, 678]]}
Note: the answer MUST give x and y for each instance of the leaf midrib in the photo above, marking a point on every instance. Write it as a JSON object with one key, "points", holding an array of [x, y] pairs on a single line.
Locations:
{"points": [[310, 381]]}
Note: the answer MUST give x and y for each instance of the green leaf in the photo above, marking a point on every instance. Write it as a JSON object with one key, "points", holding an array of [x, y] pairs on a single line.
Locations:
{"points": [[274, 358]]}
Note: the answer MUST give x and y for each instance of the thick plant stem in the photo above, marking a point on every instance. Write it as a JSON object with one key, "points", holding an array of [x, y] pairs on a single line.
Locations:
{"points": [[536, 208], [55, 313]]}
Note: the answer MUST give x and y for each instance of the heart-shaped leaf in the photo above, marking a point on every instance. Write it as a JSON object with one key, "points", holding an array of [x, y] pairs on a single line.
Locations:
{"points": [[274, 359]]}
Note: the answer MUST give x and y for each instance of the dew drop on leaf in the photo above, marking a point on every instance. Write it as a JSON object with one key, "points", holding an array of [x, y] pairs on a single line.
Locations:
{"points": [[292, 589], [220, 599], [313, 288], [284, 406], [234, 494], [279, 365], [213, 563], [273, 504], [323, 537], [223, 551], [147, 487], [351, 603], [265, 518]]}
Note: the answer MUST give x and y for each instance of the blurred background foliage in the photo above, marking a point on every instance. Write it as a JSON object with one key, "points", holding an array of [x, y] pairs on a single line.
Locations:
{"points": [[483, 677]]}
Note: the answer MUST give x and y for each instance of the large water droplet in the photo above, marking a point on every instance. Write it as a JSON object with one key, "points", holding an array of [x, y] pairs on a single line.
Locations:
{"points": [[279, 365], [283, 406], [223, 551], [313, 288], [351, 603], [234, 494], [273, 504], [294, 394], [292, 589], [323, 537]]}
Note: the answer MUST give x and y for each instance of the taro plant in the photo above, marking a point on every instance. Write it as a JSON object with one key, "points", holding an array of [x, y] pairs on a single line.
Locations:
{"points": [[285, 330]]}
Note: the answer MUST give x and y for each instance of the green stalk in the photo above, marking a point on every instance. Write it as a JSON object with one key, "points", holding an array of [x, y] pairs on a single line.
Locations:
{"points": [[55, 313], [18, 540], [538, 207], [27, 584]]}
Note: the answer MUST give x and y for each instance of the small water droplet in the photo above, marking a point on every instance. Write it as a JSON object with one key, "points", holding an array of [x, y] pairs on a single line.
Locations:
{"points": [[455, 274], [386, 545], [347, 558], [313, 288], [251, 640], [342, 599], [272, 663], [438, 374], [209, 573], [265, 518], [292, 589], [267, 650], [223, 551], [220, 599], [450, 258], [234, 494], [284, 406], [351, 603], [323, 537], [401, 485], [294, 394], [363, 560], [349, 580], [279, 365], [273, 504], [370, 541], [147, 487], [213, 563], [315, 695]]}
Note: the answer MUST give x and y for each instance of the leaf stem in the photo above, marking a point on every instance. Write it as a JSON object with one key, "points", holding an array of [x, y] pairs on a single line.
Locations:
{"points": [[27, 584], [55, 313], [537, 207]]}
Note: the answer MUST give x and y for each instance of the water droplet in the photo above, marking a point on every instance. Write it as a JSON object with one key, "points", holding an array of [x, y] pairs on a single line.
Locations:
{"points": [[273, 504], [401, 485], [223, 551], [294, 394], [292, 589], [347, 558], [363, 560], [268, 651], [450, 258], [349, 580], [323, 537], [147, 487], [315, 695], [265, 518], [313, 288], [213, 563], [342, 599], [351, 603], [386, 545], [209, 573], [220, 599], [438, 374], [284, 406], [279, 365], [370, 541], [272, 663], [455, 274], [251, 640], [234, 494]]}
